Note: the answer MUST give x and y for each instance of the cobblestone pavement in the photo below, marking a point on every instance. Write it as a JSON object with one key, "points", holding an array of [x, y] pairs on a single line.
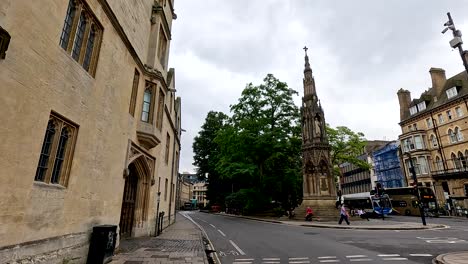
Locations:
{"points": [[179, 243]]}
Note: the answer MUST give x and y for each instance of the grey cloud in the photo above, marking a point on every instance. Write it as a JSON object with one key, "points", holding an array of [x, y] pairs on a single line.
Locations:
{"points": [[361, 53]]}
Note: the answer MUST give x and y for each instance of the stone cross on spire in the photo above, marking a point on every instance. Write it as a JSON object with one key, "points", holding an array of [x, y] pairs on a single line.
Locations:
{"points": [[307, 65]]}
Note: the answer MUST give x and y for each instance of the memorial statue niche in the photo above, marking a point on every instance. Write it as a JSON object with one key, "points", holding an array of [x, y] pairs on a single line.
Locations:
{"points": [[310, 168], [323, 167], [317, 127]]}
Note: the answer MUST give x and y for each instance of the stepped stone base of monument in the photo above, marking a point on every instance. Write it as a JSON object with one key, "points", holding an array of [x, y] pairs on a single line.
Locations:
{"points": [[323, 208]]}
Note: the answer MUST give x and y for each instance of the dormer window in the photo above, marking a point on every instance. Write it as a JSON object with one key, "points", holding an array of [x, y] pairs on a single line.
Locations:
{"points": [[452, 92], [413, 110], [421, 106]]}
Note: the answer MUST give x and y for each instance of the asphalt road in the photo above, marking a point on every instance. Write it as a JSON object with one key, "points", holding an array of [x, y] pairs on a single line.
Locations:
{"points": [[243, 241]]}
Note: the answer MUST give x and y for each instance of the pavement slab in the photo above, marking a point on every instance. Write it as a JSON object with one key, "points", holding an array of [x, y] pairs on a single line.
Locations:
{"points": [[452, 258], [182, 242]]}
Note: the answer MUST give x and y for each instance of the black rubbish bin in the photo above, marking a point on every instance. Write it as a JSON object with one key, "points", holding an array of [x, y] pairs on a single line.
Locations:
{"points": [[101, 248]]}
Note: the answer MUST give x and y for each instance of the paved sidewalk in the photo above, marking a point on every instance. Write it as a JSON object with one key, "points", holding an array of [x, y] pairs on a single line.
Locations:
{"points": [[180, 243], [452, 258], [356, 223]]}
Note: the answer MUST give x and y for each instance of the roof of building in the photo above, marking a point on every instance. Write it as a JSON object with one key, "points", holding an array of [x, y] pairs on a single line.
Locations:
{"points": [[458, 80]]}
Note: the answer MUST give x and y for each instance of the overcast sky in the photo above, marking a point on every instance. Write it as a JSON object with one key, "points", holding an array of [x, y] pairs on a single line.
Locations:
{"points": [[361, 53]]}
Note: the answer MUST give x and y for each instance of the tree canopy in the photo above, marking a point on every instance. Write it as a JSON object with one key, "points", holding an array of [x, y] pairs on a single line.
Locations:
{"points": [[206, 155], [346, 146], [253, 158]]}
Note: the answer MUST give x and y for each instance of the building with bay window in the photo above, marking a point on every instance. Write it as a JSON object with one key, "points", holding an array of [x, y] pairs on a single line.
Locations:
{"points": [[434, 131]]}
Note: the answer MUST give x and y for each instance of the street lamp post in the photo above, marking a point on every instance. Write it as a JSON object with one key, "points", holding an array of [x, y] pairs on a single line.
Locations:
{"points": [[456, 42], [156, 230], [415, 182]]}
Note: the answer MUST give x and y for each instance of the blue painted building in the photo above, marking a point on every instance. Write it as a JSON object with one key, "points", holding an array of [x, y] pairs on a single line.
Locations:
{"points": [[387, 166]]}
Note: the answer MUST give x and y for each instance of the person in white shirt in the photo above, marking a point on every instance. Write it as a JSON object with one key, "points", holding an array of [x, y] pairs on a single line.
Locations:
{"points": [[343, 215]]}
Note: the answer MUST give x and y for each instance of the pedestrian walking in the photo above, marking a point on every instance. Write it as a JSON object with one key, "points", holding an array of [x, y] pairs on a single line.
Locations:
{"points": [[343, 215]]}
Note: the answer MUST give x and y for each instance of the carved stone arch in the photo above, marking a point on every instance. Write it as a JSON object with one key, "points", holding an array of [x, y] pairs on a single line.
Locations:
{"points": [[144, 172], [323, 165], [139, 176], [309, 167], [134, 157]]}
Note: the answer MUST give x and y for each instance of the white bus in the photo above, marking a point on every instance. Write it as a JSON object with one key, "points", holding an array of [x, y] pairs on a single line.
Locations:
{"points": [[372, 204]]}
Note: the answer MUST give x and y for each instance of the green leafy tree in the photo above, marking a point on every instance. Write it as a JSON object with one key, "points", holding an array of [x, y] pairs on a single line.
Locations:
{"points": [[346, 146], [260, 150], [206, 155]]}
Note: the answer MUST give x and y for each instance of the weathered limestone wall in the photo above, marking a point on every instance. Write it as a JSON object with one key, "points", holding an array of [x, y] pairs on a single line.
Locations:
{"points": [[37, 76], [51, 223], [134, 17], [71, 248]]}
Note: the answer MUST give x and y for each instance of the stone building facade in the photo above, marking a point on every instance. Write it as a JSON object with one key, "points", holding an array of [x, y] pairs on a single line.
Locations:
{"points": [[199, 193], [434, 135], [90, 124], [184, 192]]}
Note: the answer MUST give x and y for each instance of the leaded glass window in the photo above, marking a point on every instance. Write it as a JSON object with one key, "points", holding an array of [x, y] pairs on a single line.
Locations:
{"points": [[145, 113], [89, 48], [45, 152], [67, 25], [79, 37], [57, 151], [60, 156]]}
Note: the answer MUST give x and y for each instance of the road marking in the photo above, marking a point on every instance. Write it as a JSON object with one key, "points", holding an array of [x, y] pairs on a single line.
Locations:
{"points": [[271, 262], [238, 248], [442, 240], [395, 259], [330, 260], [204, 232], [296, 262], [361, 259], [298, 258], [244, 259], [421, 255], [271, 258], [221, 232], [388, 255], [242, 262], [212, 225], [356, 256], [327, 257]]}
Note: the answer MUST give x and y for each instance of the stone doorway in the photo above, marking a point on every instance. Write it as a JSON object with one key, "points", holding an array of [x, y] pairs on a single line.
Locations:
{"points": [[127, 214]]}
